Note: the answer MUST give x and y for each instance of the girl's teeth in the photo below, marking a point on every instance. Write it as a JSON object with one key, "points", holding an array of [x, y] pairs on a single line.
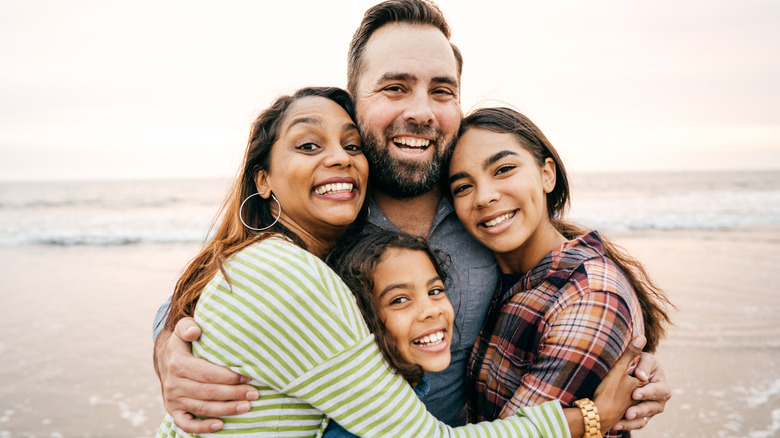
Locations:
{"points": [[429, 340]]}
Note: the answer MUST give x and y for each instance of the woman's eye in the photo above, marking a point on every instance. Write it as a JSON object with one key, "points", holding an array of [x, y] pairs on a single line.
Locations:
{"points": [[505, 168], [353, 148], [307, 147]]}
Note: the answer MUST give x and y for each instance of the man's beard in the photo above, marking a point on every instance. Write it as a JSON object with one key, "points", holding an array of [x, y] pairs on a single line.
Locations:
{"points": [[401, 178]]}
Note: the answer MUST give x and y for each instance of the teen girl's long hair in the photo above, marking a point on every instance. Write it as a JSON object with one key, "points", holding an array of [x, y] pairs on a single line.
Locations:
{"points": [[652, 299]]}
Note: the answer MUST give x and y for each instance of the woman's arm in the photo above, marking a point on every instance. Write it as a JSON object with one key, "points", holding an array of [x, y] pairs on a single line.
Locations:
{"points": [[290, 324]]}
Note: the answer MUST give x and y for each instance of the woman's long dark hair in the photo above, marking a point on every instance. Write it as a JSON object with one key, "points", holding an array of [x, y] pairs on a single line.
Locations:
{"points": [[231, 235], [652, 299], [355, 261]]}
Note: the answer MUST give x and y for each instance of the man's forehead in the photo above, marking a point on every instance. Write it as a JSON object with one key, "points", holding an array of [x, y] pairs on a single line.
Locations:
{"points": [[412, 50]]}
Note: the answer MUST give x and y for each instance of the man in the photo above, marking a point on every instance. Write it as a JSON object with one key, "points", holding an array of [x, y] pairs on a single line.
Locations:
{"points": [[404, 75]]}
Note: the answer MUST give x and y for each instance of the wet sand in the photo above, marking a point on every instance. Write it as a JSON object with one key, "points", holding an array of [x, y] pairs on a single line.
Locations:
{"points": [[75, 334]]}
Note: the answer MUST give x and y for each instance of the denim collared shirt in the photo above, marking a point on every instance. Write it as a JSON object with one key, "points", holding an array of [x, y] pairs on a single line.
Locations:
{"points": [[470, 289]]}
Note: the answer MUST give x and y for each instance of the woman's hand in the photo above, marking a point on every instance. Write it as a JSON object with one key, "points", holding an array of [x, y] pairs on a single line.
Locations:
{"points": [[195, 387], [613, 397]]}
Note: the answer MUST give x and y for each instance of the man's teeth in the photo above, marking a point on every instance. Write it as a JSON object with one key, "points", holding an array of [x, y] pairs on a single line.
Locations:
{"points": [[429, 340], [499, 220], [412, 142], [333, 188]]}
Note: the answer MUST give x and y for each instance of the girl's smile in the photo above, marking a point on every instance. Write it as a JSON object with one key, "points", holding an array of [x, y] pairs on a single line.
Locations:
{"points": [[415, 310]]}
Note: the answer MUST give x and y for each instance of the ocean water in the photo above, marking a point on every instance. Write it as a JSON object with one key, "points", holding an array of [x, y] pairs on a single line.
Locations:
{"points": [[108, 213]]}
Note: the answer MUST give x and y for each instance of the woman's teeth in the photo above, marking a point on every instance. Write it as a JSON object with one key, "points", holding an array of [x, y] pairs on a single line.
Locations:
{"points": [[333, 188], [499, 220], [429, 340]]}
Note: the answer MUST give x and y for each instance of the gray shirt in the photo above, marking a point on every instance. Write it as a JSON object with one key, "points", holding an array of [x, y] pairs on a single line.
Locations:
{"points": [[470, 289]]}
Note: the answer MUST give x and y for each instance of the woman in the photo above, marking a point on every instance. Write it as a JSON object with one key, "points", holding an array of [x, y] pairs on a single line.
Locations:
{"points": [[270, 309], [570, 301]]}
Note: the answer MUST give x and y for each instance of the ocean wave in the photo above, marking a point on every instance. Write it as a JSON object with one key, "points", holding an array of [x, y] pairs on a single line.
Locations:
{"points": [[125, 213]]}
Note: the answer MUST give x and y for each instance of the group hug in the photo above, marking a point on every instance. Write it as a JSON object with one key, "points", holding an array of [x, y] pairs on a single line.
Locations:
{"points": [[385, 266]]}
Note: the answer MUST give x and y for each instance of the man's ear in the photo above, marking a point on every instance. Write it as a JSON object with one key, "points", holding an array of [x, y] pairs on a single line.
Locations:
{"points": [[263, 184], [548, 175]]}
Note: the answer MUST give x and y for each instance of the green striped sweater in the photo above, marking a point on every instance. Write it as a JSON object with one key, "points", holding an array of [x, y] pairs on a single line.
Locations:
{"points": [[289, 322]]}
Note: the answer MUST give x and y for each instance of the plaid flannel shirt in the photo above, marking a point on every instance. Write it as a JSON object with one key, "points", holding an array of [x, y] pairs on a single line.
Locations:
{"points": [[554, 334]]}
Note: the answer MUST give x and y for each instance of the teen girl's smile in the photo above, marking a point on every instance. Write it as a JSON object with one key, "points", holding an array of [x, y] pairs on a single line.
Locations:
{"points": [[499, 191], [415, 310]]}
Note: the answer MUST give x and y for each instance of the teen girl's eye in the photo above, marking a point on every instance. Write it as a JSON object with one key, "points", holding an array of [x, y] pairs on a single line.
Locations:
{"points": [[460, 189], [505, 168]]}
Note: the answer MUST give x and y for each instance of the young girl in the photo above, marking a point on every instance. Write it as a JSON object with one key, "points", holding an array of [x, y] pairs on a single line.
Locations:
{"points": [[398, 284], [570, 301]]}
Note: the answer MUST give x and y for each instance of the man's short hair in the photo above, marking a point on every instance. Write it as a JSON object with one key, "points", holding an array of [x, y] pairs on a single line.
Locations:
{"points": [[419, 12]]}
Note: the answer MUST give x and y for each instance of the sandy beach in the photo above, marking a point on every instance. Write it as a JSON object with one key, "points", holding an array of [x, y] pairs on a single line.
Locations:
{"points": [[75, 349]]}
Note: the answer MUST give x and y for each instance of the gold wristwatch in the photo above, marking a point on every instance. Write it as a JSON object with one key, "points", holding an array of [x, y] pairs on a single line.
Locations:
{"points": [[590, 417]]}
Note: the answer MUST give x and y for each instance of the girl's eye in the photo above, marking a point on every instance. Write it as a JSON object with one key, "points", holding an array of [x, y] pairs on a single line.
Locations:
{"points": [[436, 291], [399, 300], [505, 168]]}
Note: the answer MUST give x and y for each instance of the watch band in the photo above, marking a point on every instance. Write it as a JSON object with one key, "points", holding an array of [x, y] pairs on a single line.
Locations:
{"points": [[590, 417]]}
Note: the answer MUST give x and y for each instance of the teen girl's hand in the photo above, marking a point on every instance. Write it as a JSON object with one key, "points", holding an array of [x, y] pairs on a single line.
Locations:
{"points": [[651, 397], [195, 387], [613, 396]]}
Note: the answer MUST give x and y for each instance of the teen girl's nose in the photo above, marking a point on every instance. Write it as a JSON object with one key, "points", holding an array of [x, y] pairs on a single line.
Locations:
{"points": [[485, 194]]}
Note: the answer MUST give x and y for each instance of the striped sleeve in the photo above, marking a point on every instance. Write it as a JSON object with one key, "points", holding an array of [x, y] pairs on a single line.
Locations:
{"points": [[288, 322]]}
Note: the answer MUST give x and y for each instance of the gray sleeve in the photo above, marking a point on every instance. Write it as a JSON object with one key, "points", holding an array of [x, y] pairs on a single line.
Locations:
{"points": [[159, 319]]}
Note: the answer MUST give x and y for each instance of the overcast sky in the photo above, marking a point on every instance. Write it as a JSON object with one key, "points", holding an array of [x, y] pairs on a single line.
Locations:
{"points": [[167, 89]]}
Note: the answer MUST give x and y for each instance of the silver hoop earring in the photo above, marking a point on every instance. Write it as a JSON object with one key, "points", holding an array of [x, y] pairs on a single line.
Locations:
{"points": [[241, 216]]}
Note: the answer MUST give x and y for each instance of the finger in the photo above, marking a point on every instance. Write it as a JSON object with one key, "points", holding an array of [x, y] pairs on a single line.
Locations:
{"points": [[187, 330], [202, 408], [183, 365], [647, 409], [633, 350], [189, 424], [657, 391], [634, 424]]}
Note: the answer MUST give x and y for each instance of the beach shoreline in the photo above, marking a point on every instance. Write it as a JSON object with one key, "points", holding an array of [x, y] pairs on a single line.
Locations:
{"points": [[75, 356]]}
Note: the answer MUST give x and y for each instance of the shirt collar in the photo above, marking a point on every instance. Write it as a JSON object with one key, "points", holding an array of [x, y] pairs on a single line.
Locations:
{"points": [[557, 266], [378, 218]]}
